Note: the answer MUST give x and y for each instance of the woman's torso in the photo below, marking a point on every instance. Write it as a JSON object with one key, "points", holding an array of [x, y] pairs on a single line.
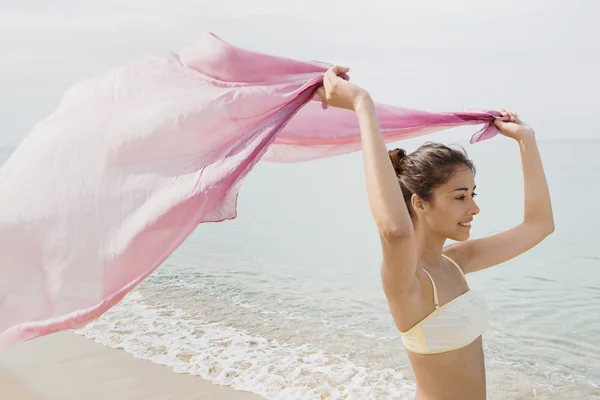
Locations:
{"points": [[457, 374], [442, 320]]}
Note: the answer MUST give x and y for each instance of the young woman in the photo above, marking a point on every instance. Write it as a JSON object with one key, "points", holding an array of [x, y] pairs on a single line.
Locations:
{"points": [[419, 201]]}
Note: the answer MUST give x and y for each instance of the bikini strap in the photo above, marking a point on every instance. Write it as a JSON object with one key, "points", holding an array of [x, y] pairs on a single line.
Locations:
{"points": [[456, 265], [435, 295]]}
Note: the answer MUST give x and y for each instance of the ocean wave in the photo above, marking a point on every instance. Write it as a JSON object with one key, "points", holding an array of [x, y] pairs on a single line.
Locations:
{"points": [[282, 352], [229, 356]]}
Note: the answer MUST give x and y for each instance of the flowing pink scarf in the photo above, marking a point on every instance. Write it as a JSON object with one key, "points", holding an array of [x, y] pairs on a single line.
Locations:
{"points": [[104, 189]]}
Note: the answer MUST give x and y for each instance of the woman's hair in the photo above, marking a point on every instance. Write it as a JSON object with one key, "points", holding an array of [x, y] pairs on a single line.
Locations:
{"points": [[428, 167]]}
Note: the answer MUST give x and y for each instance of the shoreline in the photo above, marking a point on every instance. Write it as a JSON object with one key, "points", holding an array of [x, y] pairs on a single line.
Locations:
{"points": [[66, 366]]}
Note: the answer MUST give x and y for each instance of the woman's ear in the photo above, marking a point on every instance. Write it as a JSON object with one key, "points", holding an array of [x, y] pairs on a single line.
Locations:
{"points": [[418, 203]]}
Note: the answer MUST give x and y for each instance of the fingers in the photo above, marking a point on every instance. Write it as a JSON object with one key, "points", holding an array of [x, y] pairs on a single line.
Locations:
{"points": [[513, 116], [330, 79], [333, 72], [337, 69], [321, 93], [499, 124]]}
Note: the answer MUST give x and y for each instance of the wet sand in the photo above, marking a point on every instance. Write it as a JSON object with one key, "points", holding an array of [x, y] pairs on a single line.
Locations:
{"points": [[65, 366]]}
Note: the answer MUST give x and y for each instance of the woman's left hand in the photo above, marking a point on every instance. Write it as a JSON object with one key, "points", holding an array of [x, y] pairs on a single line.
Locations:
{"points": [[515, 128]]}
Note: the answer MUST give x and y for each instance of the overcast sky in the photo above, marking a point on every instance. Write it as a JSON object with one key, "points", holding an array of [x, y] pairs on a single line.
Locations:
{"points": [[538, 57]]}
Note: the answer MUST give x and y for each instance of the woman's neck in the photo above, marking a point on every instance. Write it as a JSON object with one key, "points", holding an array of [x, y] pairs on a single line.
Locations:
{"points": [[429, 247]]}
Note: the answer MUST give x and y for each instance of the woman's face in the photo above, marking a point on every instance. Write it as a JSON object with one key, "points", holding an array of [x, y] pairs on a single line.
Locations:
{"points": [[451, 209]]}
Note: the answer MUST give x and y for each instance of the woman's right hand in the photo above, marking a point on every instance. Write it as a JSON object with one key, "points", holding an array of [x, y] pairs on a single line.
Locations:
{"points": [[340, 93]]}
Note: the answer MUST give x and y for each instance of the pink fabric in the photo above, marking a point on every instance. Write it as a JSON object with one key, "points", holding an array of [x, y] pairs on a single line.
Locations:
{"points": [[104, 189]]}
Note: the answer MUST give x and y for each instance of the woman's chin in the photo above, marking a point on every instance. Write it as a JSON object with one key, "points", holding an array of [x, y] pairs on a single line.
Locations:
{"points": [[460, 236]]}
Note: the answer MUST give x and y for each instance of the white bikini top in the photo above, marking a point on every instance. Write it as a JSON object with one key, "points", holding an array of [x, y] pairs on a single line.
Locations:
{"points": [[450, 326]]}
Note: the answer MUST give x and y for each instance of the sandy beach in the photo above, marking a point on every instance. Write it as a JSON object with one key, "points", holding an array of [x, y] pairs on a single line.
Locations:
{"points": [[65, 366]]}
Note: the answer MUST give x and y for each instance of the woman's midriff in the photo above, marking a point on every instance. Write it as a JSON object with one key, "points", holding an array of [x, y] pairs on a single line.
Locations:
{"points": [[457, 374]]}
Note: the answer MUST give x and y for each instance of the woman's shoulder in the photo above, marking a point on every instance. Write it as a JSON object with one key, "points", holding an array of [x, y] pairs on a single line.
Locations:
{"points": [[457, 252]]}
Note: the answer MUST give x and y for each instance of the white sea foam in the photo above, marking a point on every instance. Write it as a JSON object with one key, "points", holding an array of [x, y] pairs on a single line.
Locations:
{"points": [[239, 339], [230, 356]]}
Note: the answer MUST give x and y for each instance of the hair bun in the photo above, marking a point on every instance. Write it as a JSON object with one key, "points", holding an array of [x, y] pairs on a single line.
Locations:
{"points": [[396, 156]]}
